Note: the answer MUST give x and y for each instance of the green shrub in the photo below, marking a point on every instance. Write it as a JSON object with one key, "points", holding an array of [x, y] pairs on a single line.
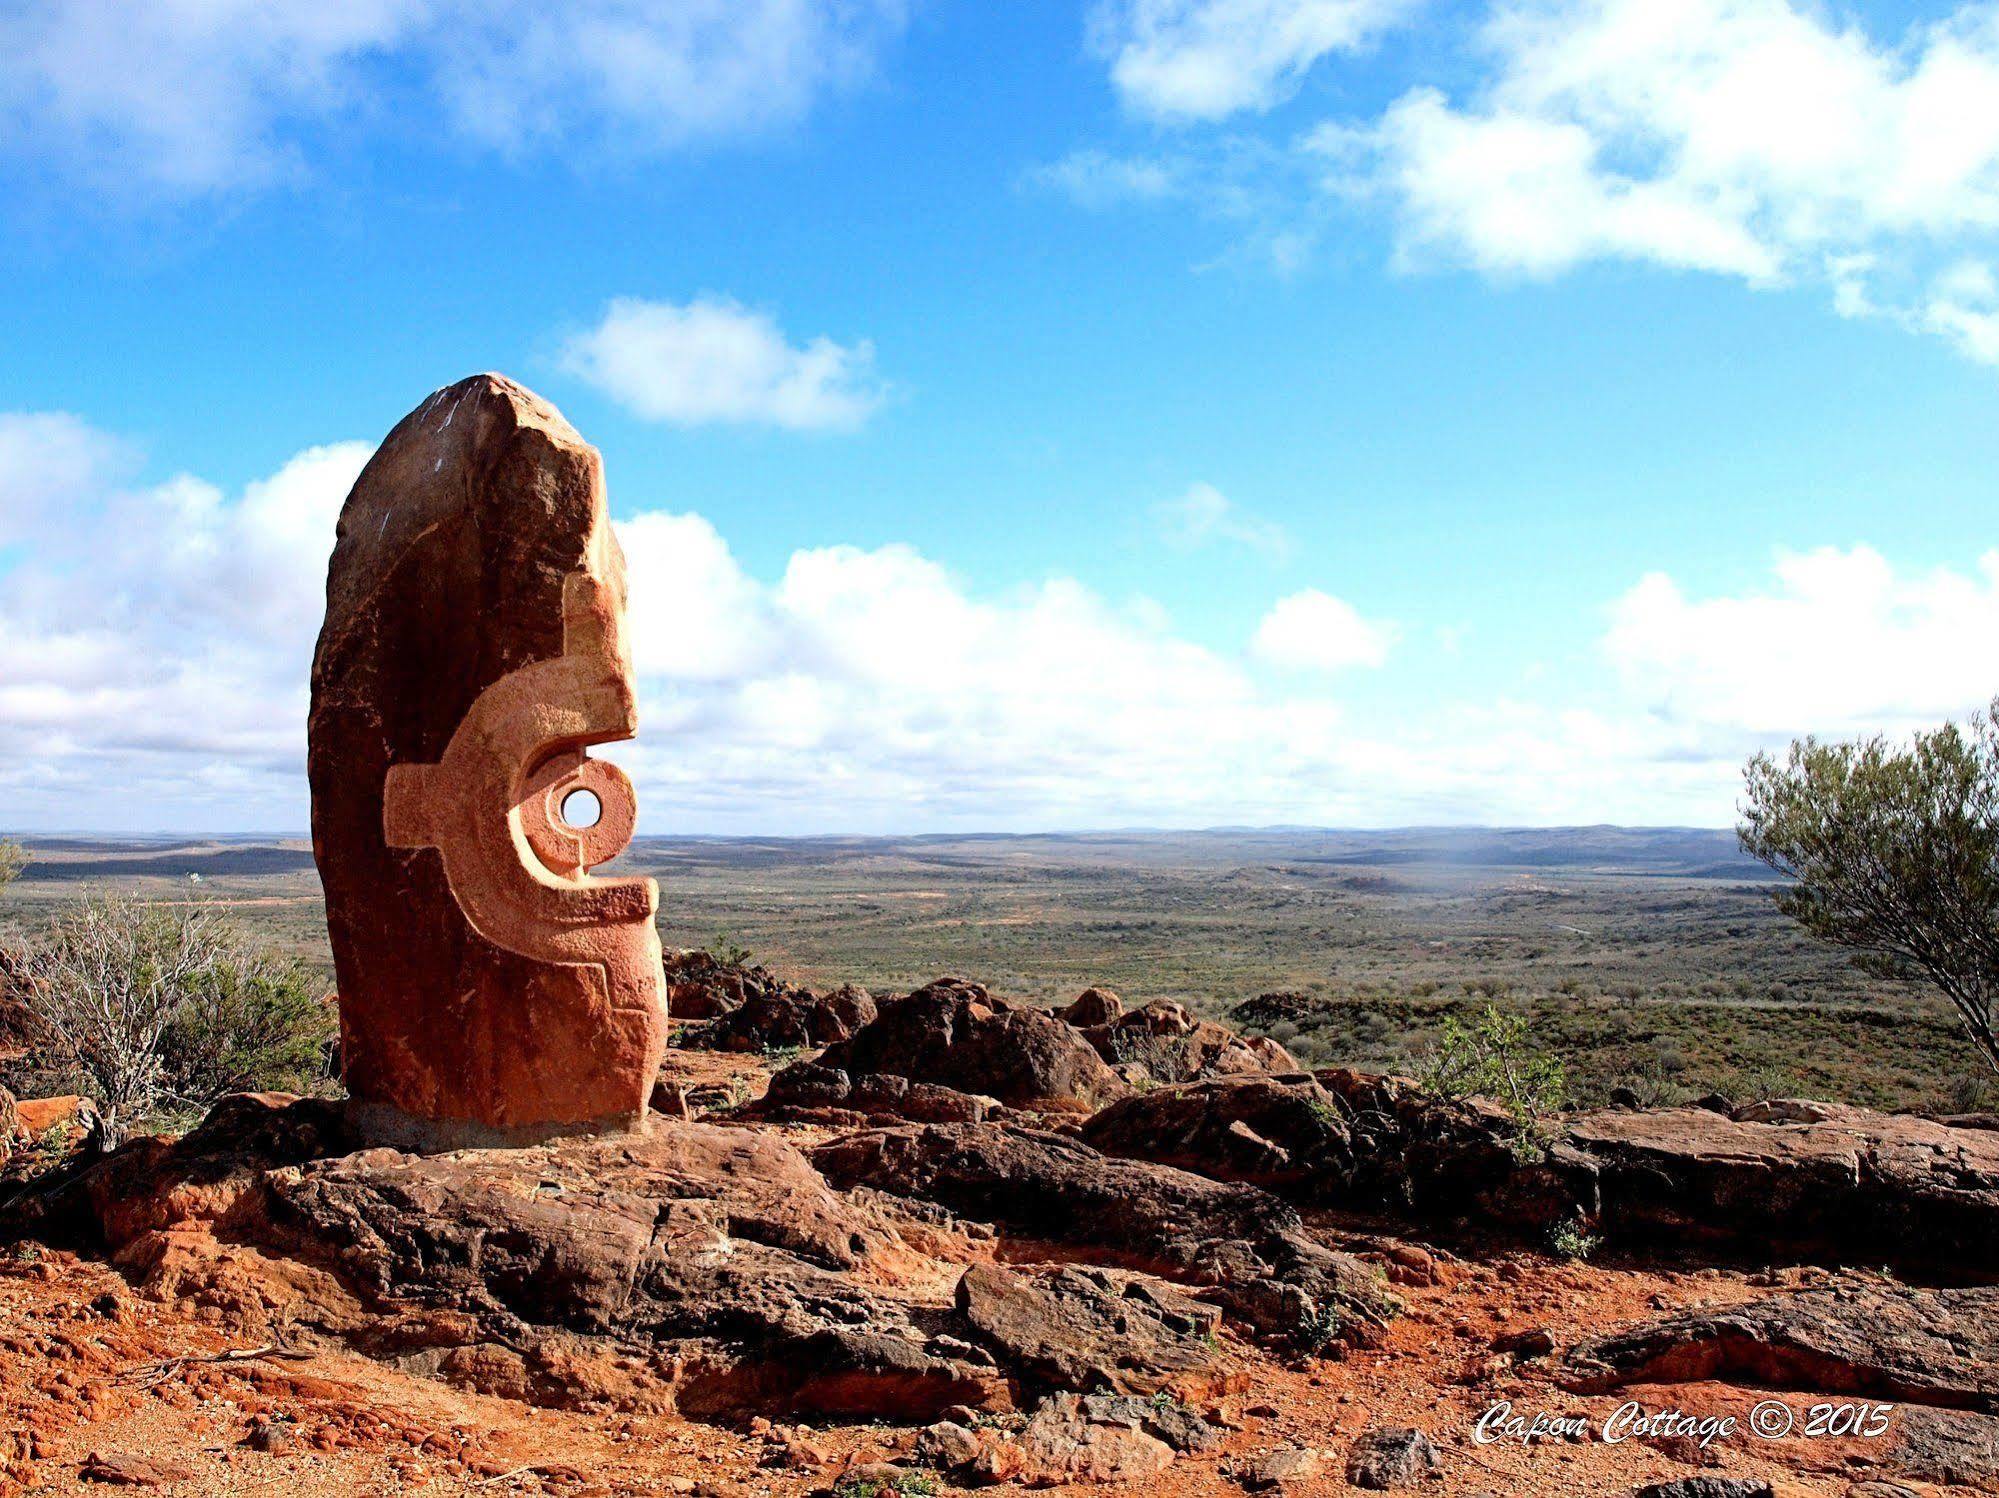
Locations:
{"points": [[251, 1024], [13, 859], [1571, 1239], [726, 950], [1494, 1057]]}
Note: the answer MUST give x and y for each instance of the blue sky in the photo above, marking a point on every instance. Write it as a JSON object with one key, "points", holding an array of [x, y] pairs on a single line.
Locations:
{"points": [[1161, 411]]}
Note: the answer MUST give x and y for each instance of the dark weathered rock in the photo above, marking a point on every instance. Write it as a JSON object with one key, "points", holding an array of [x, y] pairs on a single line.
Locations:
{"points": [[701, 986], [1093, 1006], [806, 1092], [1096, 1329], [1938, 1347], [1783, 1178], [956, 1034], [1707, 1487], [1391, 1457], [1245, 1246], [793, 1019], [1946, 1446], [1448, 1158], [1863, 1186], [1282, 1132], [1529, 1342], [474, 644], [1164, 1043]]}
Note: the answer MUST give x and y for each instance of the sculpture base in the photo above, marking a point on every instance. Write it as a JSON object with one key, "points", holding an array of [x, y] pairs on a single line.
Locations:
{"points": [[385, 1125]]}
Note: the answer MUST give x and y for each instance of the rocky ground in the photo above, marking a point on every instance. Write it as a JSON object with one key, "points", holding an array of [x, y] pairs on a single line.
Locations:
{"points": [[943, 1241]]}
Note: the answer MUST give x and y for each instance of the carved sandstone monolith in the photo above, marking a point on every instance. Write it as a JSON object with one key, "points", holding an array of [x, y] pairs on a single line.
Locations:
{"points": [[491, 989]]}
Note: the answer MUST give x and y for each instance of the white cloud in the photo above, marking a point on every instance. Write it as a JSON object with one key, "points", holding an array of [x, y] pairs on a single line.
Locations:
{"points": [[49, 462], [1843, 643], [1182, 60], [1314, 631], [1204, 515], [154, 644], [198, 96], [1094, 178], [1773, 141], [1761, 139], [714, 360]]}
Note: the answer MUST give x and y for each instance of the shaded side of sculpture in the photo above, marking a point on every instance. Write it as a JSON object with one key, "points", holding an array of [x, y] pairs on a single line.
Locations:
{"points": [[491, 989]]}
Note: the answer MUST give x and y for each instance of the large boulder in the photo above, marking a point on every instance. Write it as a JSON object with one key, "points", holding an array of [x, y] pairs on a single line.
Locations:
{"points": [[1286, 1133], [954, 1033], [1093, 1006], [491, 990]]}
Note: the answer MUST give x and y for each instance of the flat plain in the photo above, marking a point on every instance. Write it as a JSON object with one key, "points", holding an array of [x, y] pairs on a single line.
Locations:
{"points": [[1647, 958]]}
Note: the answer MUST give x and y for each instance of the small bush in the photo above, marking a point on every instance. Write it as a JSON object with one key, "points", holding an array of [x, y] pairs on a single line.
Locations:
{"points": [[1493, 1057], [902, 1485], [13, 859], [726, 950], [1571, 1239]]}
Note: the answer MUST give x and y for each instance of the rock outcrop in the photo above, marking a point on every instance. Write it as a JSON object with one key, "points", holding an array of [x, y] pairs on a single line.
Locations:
{"points": [[784, 1020], [490, 989], [1164, 1043], [703, 1269], [806, 1092], [700, 985], [1244, 1248], [1923, 1346], [1286, 1133], [957, 1035], [1866, 1187]]}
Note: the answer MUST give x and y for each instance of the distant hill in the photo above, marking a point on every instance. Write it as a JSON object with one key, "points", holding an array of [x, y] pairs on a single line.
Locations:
{"points": [[1680, 852]]}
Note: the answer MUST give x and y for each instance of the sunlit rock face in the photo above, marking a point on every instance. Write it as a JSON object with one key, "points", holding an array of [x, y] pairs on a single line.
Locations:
{"points": [[491, 989]]}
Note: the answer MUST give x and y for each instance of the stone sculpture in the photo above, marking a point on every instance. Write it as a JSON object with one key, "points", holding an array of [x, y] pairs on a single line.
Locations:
{"points": [[491, 989]]}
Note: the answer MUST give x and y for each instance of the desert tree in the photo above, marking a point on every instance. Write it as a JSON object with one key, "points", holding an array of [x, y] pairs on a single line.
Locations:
{"points": [[1892, 851], [13, 859], [159, 1006]]}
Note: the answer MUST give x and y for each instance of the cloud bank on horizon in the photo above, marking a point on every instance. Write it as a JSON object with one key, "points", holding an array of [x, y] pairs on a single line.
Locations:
{"points": [[873, 689], [155, 629]]}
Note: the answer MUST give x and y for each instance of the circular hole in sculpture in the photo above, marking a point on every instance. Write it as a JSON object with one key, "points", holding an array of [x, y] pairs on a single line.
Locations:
{"points": [[581, 809]]}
